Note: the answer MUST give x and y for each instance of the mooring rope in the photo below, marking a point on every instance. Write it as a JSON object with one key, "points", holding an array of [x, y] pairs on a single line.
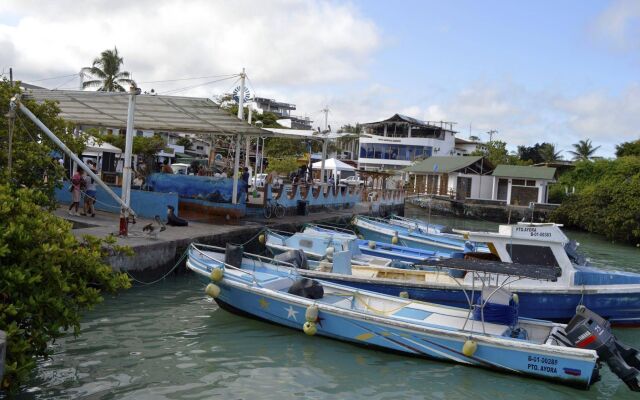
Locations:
{"points": [[182, 257]]}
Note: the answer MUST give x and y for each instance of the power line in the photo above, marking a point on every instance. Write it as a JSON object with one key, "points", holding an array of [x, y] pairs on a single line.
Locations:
{"points": [[198, 85], [190, 79], [55, 77]]}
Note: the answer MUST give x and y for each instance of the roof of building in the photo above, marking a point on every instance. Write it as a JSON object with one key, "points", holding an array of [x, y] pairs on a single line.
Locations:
{"points": [[413, 121], [465, 141], [523, 171], [154, 112], [443, 164]]}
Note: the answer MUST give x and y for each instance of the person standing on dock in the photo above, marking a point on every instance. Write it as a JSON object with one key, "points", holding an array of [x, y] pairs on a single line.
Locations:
{"points": [[90, 192], [166, 168], [245, 179], [76, 185]]}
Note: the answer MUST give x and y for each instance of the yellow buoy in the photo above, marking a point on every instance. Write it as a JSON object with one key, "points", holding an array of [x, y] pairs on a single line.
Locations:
{"points": [[216, 274], [311, 314], [404, 295], [262, 238], [394, 239], [469, 348], [372, 244], [212, 290], [516, 298], [310, 328]]}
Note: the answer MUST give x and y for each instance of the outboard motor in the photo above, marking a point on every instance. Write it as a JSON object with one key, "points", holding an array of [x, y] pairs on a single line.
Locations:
{"points": [[469, 247], [295, 257], [571, 248], [308, 288], [588, 330]]}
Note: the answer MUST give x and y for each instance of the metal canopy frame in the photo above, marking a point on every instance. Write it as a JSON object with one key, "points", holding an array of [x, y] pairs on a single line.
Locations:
{"points": [[152, 112]]}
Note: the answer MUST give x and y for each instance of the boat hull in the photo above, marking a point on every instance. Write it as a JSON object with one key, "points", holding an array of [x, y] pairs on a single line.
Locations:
{"points": [[423, 244], [443, 347], [621, 309]]}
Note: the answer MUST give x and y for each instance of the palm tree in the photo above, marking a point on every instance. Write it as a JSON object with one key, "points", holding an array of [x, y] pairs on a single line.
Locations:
{"points": [[106, 73], [548, 153], [584, 150]]}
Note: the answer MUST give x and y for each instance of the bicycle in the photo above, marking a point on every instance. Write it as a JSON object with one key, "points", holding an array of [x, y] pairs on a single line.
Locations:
{"points": [[273, 208]]}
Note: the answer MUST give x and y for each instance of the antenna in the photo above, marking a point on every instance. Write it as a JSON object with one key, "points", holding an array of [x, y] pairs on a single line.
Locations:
{"points": [[491, 133]]}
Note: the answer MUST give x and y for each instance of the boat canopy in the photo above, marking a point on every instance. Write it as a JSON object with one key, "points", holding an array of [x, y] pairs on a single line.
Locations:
{"points": [[539, 272]]}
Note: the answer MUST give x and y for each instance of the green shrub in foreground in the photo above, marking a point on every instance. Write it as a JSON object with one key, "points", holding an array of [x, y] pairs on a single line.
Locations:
{"points": [[47, 278]]}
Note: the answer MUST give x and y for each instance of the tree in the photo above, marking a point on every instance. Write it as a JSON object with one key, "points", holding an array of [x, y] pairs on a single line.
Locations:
{"points": [[185, 142], [278, 147], [34, 155], [496, 152], [628, 149], [47, 279], [284, 165], [583, 150], [105, 73], [145, 147], [474, 138], [548, 153]]}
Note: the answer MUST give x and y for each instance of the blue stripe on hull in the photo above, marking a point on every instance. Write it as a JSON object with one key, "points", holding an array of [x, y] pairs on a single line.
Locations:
{"points": [[620, 309]]}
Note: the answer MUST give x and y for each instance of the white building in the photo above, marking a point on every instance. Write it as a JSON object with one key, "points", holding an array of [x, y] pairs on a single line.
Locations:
{"points": [[464, 147], [521, 185], [397, 142], [460, 177]]}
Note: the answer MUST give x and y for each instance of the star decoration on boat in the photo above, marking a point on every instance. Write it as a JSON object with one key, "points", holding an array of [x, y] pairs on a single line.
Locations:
{"points": [[264, 304], [291, 313]]}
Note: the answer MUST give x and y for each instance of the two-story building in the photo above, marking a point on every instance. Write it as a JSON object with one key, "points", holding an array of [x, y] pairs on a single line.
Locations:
{"points": [[397, 142]]}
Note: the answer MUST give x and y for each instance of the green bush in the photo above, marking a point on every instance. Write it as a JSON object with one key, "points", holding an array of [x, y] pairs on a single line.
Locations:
{"points": [[47, 279], [607, 198]]}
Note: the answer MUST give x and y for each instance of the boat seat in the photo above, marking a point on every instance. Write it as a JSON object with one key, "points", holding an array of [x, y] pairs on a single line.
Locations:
{"points": [[277, 284], [379, 262], [337, 300]]}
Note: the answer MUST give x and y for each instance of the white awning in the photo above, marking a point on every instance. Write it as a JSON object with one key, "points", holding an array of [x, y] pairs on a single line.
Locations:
{"points": [[334, 164]]}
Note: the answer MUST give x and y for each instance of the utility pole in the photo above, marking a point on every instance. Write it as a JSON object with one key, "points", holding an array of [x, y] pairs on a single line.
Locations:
{"points": [[324, 142], [236, 160], [491, 133], [126, 170]]}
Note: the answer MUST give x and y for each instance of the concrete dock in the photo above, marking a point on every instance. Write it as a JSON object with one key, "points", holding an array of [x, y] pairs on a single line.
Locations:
{"points": [[154, 255]]}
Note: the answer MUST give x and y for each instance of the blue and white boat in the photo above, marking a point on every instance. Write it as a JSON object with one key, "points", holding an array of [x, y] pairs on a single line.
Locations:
{"points": [[394, 252], [421, 226], [615, 295], [253, 286], [381, 230]]}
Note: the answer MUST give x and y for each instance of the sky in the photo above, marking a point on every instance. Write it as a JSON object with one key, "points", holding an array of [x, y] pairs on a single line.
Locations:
{"points": [[537, 71]]}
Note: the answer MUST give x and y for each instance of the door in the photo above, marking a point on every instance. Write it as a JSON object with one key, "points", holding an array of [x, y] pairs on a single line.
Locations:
{"points": [[463, 188], [503, 188]]}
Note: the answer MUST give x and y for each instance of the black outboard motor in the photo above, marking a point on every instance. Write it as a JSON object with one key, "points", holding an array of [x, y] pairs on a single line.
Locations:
{"points": [[588, 330], [295, 257], [571, 248], [307, 288]]}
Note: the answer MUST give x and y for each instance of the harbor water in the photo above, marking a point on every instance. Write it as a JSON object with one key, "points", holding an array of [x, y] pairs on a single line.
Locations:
{"points": [[169, 341]]}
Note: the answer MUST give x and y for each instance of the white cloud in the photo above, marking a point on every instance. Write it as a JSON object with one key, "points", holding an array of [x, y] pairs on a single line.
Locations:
{"points": [[619, 25], [279, 42]]}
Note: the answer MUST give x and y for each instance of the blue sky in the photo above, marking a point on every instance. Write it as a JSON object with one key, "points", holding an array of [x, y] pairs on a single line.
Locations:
{"points": [[554, 71]]}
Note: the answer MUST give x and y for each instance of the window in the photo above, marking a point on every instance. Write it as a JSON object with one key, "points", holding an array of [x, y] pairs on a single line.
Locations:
{"points": [[428, 151], [139, 133], [519, 182], [530, 182], [199, 147], [534, 255]]}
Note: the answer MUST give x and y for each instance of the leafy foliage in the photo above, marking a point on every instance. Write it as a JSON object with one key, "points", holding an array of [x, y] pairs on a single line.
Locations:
{"points": [[106, 73], [186, 142], [47, 278], [496, 152], [278, 147], [628, 149], [538, 153], [583, 150], [283, 165], [33, 163], [606, 199], [146, 147]]}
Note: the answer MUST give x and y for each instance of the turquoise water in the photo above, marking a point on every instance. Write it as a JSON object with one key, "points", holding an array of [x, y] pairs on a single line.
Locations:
{"points": [[168, 341]]}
